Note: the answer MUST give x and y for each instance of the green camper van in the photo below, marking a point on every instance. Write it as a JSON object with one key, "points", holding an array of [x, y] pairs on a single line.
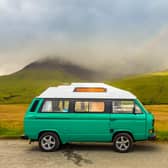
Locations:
{"points": [[87, 112]]}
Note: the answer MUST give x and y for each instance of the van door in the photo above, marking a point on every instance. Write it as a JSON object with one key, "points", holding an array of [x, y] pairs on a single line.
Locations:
{"points": [[127, 116], [53, 115], [89, 121]]}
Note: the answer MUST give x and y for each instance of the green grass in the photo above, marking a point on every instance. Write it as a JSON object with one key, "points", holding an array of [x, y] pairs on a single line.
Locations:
{"points": [[162, 135], [150, 88], [10, 133], [24, 85], [11, 120]]}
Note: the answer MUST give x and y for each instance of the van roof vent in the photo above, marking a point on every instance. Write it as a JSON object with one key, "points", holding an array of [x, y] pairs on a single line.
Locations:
{"points": [[90, 89]]}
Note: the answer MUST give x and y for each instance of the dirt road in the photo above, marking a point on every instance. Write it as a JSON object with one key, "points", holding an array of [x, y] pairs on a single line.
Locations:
{"points": [[19, 154]]}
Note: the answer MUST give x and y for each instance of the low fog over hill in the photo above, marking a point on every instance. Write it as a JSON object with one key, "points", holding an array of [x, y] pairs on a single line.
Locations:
{"points": [[56, 69]]}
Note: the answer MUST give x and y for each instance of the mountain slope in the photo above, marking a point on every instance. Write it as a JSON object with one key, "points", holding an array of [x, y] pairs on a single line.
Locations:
{"points": [[150, 88], [54, 68], [23, 85]]}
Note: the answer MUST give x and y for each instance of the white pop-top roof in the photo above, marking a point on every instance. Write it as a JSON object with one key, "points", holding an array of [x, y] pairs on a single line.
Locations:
{"points": [[67, 91]]}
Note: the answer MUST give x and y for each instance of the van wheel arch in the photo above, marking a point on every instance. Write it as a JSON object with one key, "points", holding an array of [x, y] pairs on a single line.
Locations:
{"points": [[123, 142], [118, 132], [49, 141], [42, 132]]}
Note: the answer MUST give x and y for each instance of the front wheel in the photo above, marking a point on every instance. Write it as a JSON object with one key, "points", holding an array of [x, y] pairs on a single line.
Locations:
{"points": [[123, 142], [49, 142]]}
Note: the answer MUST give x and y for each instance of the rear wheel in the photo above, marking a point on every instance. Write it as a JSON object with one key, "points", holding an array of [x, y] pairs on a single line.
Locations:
{"points": [[49, 142], [123, 142]]}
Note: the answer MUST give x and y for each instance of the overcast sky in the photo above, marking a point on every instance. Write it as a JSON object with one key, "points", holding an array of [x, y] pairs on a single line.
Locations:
{"points": [[132, 34]]}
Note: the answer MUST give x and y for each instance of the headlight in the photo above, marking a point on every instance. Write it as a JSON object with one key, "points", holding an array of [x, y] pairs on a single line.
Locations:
{"points": [[151, 131]]}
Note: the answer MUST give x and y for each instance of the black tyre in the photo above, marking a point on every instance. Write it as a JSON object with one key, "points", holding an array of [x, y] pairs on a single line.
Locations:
{"points": [[123, 142], [49, 142]]}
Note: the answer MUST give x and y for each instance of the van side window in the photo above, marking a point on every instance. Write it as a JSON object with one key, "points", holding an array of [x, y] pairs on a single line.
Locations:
{"points": [[33, 108], [55, 106], [137, 109], [89, 106], [123, 106]]}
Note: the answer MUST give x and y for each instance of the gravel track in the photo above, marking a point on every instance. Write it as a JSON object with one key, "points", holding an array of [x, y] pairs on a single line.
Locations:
{"points": [[19, 154]]}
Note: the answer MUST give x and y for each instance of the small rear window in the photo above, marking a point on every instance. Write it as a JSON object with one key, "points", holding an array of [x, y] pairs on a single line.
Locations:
{"points": [[34, 106]]}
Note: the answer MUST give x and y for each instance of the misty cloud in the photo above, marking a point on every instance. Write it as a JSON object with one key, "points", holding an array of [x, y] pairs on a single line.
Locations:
{"points": [[115, 36]]}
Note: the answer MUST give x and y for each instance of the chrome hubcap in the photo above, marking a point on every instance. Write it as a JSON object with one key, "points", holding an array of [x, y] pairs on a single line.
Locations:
{"points": [[122, 143], [48, 142]]}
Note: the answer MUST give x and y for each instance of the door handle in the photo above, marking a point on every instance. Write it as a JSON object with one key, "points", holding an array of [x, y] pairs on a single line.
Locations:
{"points": [[111, 130]]}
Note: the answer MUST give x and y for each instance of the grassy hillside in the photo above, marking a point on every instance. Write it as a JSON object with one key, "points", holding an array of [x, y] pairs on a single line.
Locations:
{"points": [[22, 87], [150, 88], [29, 82]]}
